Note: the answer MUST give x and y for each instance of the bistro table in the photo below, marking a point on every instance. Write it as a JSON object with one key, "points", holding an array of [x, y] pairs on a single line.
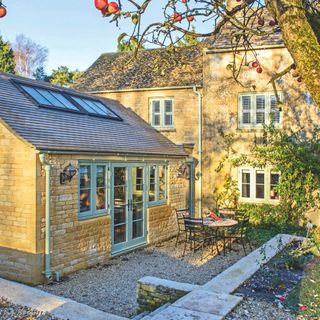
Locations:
{"points": [[224, 223], [216, 225]]}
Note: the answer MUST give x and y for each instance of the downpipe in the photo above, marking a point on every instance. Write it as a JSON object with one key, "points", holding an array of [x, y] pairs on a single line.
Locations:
{"points": [[47, 167], [199, 149]]}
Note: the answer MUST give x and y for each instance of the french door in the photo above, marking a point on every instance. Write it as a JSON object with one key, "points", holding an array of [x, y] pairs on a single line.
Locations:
{"points": [[128, 206]]}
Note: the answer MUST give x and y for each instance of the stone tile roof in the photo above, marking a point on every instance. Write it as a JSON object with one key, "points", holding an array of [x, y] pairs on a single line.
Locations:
{"points": [[151, 68], [52, 129], [226, 38]]}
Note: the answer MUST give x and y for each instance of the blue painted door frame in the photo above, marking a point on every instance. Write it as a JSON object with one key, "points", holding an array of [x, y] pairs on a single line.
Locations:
{"points": [[128, 201]]}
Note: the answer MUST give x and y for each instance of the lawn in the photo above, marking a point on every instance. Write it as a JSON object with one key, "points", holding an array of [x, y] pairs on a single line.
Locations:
{"points": [[305, 298]]}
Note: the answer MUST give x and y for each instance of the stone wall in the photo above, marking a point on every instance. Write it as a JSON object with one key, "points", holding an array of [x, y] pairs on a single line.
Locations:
{"points": [[18, 256], [78, 244], [154, 292], [220, 113]]}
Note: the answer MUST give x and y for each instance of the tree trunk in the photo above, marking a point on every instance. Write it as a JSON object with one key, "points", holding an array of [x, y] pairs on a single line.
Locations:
{"points": [[301, 41]]}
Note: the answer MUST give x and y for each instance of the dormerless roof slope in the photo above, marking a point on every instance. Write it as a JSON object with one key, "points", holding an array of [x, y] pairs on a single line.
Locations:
{"points": [[149, 69], [55, 130]]}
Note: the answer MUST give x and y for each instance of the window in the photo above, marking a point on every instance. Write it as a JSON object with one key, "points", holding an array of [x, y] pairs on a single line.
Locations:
{"points": [[258, 184], [92, 190], [258, 109], [49, 98], [94, 107], [157, 184], [161, 112], [64, 100]]}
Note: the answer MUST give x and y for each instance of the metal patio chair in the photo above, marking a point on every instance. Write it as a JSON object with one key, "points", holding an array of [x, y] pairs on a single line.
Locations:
{"points": [[181, 214]]}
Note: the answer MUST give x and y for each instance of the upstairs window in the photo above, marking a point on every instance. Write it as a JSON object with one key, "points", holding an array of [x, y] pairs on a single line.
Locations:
{"points": [[258, 109], [161, 112]]}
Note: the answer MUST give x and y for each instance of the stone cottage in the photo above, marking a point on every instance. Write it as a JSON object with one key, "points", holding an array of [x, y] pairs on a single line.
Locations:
{"points": [[82, 178], [196, 110]]}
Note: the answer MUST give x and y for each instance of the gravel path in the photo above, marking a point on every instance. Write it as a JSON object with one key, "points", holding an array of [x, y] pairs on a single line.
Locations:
{"points": [[112, 287], [9, 311], [258, 310]]}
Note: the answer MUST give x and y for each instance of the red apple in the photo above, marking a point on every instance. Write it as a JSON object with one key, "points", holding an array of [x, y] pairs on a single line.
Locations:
{"points": [[190, 18], [101, 4], [3, 11], [104, 11], [184, 1], [259, 70], [113, 7], [176, 17], [272, 23], [255, 64]]}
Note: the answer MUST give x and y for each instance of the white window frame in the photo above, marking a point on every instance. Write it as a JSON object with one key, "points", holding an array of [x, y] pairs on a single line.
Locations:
{"points": [[253, 112], [267, 180], [162, 112]]}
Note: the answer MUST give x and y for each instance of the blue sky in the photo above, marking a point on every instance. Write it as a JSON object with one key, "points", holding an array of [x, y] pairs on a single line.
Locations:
{"points": [[73, 30]]}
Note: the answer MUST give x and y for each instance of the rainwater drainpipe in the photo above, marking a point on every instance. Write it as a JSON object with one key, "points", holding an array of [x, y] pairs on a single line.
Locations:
{"points": [[47, 168], [199, 148]]}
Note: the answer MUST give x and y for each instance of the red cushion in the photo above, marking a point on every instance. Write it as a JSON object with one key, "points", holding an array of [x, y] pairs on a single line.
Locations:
{"points": [[213, 216]]}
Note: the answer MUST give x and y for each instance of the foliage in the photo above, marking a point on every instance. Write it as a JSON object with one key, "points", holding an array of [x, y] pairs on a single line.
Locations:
{"points": [[41, 75], [229, 195], [64, 77], [29, 56], [7, 63], [127, 46], [297, 158], [305, 298], [188, 40]]}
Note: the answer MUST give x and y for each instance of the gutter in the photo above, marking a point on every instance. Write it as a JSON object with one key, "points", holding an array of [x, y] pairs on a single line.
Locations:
{"points": [[224, 50], [47, 272], [199, 148], [144, 89]]}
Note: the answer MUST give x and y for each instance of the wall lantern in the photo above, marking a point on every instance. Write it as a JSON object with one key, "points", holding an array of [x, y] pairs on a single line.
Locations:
{"points": [[68, 173]]}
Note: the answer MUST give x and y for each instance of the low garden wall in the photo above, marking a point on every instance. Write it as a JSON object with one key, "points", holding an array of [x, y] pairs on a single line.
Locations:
{"points": [[154, 292]]}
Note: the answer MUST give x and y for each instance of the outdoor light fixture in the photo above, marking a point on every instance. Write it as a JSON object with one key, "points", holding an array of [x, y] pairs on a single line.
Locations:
{"points": [[68, 173]]}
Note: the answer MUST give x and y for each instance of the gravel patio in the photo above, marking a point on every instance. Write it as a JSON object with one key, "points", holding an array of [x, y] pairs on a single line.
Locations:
{"points": [[112, 287]]}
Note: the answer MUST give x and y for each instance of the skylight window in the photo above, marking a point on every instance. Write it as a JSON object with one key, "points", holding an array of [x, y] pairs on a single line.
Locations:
{"points": [[94, 107], [49, 98]]}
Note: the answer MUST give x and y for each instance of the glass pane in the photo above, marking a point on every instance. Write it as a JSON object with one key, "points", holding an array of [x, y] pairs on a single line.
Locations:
{"points": [[101, 176], [83, 104], [168, 120], [274, 181], [246, 118], [119, 215], [275, 113], [155, 106], [85, 177], [245, 190], [137, 213], [246, 103], [120, 234], [152, 182], [168, 106], [107, 111], [101, 199], [36, 95], [85, 202], [162, 182], [119, 176], [137, 229], [156, 120], [137, 184], [52, 99], [96, 109], [120, 195], [63, 100], [259, 185]]}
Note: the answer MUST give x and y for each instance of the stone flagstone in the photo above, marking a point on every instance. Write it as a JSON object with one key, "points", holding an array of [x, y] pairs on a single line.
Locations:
{"points": [[218, 304], [176, 313]]}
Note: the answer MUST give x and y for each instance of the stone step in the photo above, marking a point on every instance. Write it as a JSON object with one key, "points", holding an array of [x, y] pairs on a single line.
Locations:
{"points": [[140, 315], [154, 313]]}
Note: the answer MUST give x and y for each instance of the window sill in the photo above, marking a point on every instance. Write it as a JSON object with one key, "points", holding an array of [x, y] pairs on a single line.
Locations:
{"points": [[254, 129], [157, 204], [259, 201], [165, 129], [89, 216]]}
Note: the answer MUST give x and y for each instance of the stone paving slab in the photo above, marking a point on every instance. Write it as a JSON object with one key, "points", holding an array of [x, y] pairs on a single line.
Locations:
{"points": [[176, 313], [230, 279], [219, 304], [60, 307]]}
